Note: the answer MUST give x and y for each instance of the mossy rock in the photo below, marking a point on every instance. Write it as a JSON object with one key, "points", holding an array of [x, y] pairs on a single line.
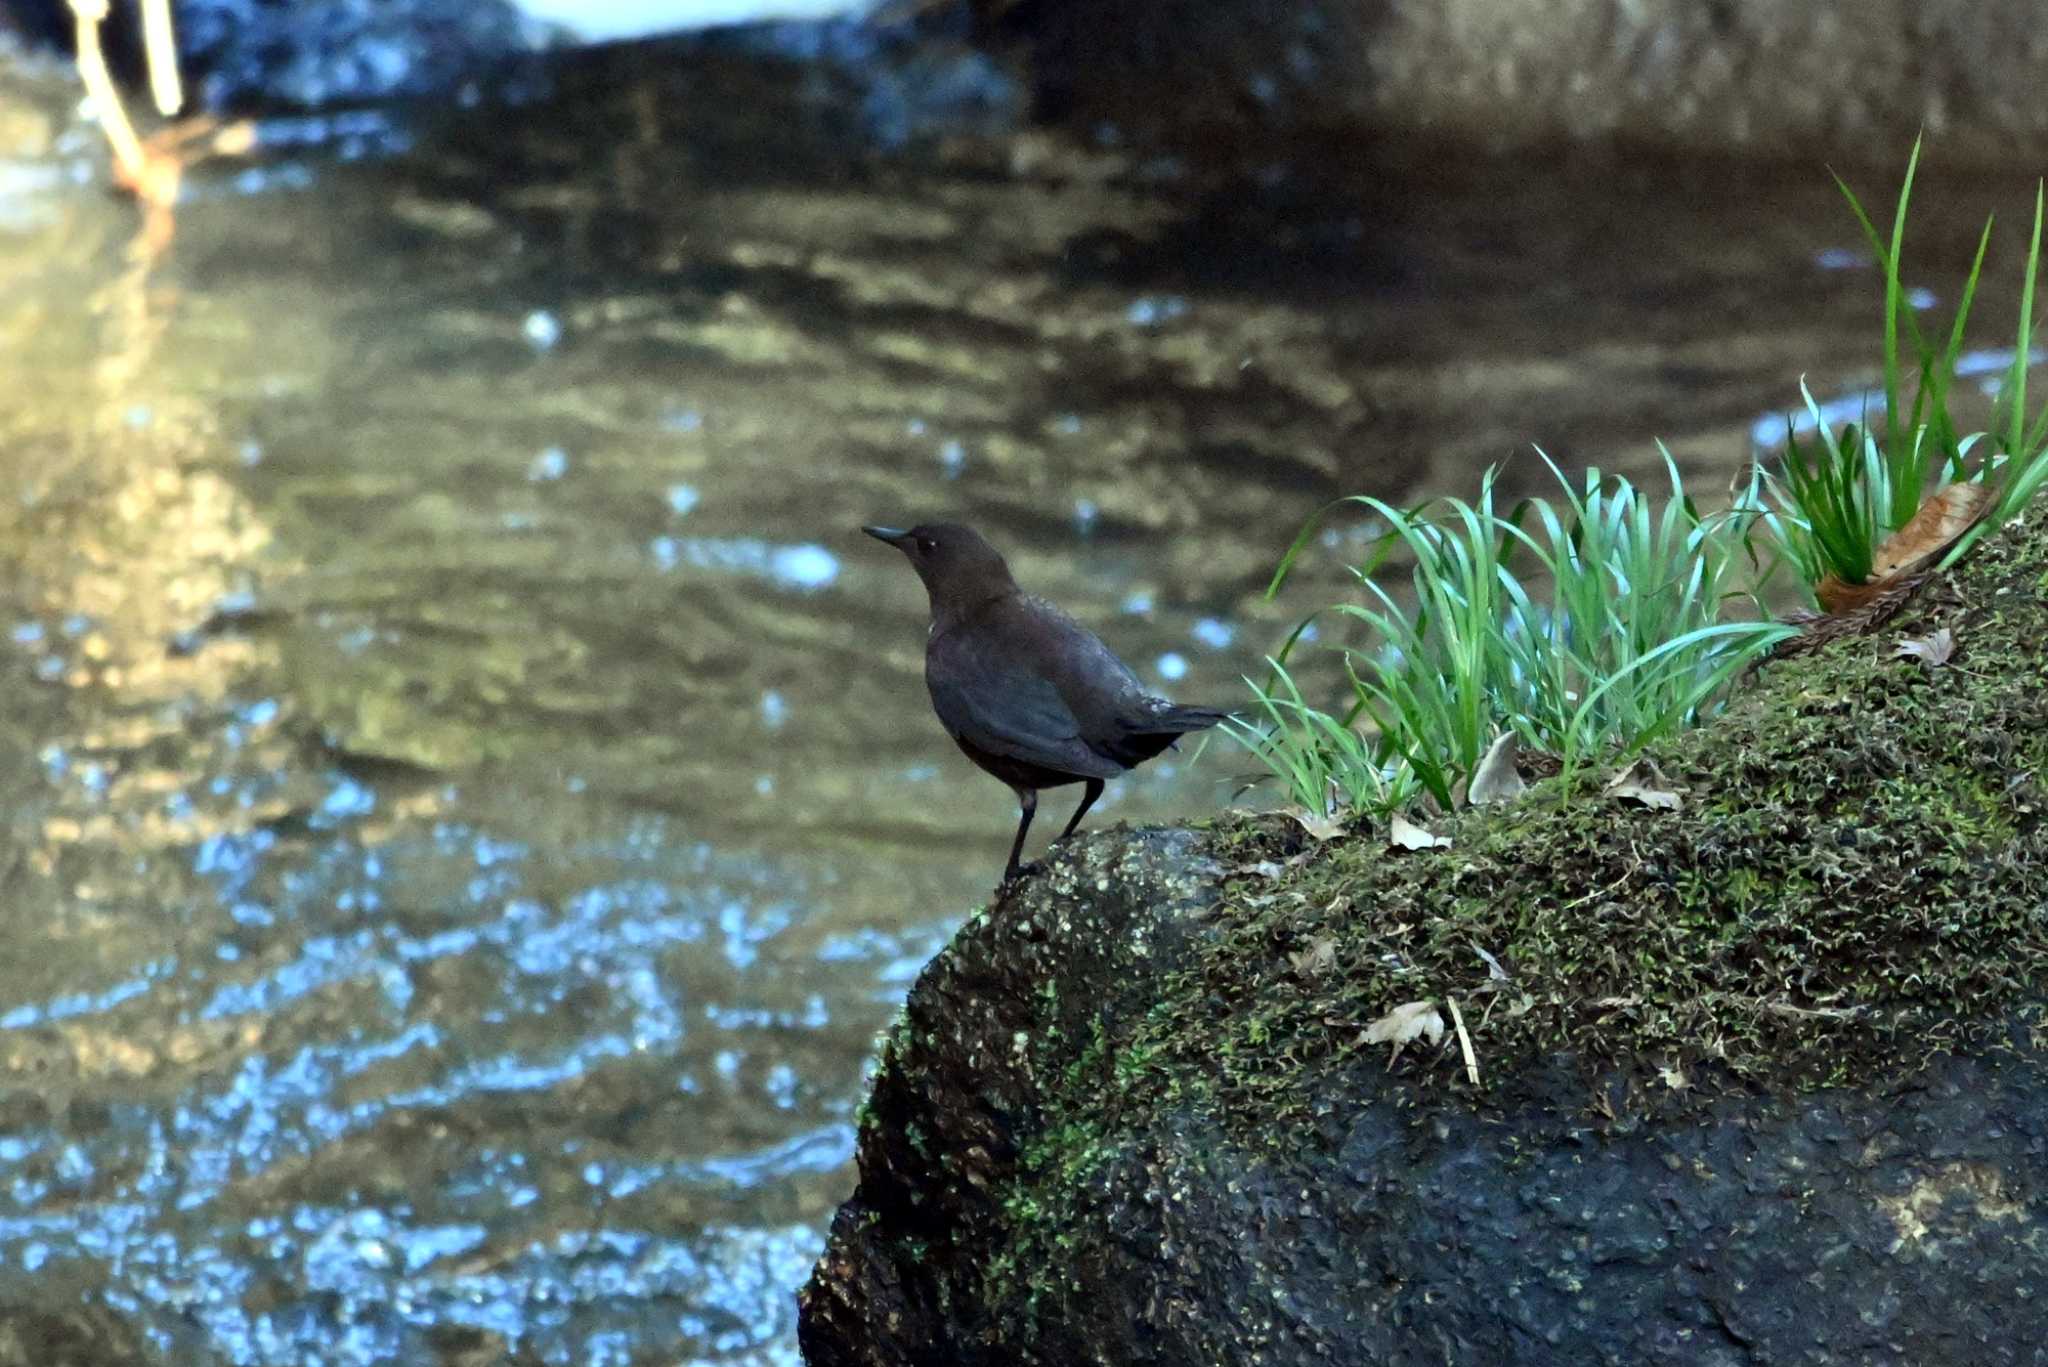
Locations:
{"points": [[1763, 1082]]}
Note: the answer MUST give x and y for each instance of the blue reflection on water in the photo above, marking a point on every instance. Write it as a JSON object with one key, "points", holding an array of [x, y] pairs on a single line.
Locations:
{"points": [[332, 1029], [803, 568]]}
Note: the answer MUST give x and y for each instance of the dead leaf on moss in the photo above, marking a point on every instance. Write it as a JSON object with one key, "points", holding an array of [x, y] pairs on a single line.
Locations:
{"points": [[1404, 834], [1944, 516], [1644, 784], [1319, 828], [1408, 1021], [1320, 955], [1932, 650], [1496, 779]]}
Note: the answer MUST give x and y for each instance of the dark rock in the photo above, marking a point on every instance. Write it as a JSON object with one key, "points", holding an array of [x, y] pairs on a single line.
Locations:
{"points": [[1777, 77], [1751, 1095], [941, 1143]]}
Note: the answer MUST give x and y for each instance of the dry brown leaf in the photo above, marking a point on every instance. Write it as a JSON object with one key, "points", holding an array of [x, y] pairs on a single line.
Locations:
{"points": [[1944, 516], [1408, 1021], [1404, 834], [1642, 783], [1932, 650], [1496, 779]]}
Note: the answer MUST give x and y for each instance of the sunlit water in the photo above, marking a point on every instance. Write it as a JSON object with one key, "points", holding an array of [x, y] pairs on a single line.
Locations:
{"points": [[471, 802]]}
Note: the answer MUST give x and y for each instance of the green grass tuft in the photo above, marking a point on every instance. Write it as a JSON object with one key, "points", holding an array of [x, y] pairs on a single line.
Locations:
{"points": [[1844, 492], [1593, 623]]}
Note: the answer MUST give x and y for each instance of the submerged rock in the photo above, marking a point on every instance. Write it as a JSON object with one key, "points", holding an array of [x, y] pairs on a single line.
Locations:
{"points": [[1760, 1080]]}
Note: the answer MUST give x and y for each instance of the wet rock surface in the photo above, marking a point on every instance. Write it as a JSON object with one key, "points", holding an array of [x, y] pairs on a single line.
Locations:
{"points": [[1050, 972], [1126, 1119]]}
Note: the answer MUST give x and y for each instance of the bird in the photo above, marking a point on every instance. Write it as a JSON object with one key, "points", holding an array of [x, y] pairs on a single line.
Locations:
{"points": [[1028, 693]]}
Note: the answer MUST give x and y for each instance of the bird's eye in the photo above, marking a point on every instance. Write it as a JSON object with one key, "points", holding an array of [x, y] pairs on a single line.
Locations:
{"points": [[925, 545]]}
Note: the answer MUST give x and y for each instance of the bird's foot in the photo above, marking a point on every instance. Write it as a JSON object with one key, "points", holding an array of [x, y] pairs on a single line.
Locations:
{"points": [[1017, 874]]}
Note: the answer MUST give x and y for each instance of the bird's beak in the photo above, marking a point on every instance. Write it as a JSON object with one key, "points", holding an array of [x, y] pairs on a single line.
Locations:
{"points": [[893, 535]]}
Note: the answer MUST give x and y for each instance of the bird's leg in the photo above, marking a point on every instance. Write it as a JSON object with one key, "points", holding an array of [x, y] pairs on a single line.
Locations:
{"points": [[1027, 802], [1094, 791]]}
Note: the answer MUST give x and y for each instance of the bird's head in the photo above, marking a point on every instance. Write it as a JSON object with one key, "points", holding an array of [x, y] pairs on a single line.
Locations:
{"points": [[958, 567]]}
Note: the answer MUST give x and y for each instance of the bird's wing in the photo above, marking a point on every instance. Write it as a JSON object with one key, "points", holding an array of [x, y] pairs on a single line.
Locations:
{"points": [[1007, 708]]}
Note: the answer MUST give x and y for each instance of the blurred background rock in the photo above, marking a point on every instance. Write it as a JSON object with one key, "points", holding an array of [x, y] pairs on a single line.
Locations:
{"points": [[1769, 77]]}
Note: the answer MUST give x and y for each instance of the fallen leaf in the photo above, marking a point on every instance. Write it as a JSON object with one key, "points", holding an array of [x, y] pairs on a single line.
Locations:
{"points": [[1406, 835], [1673, 1076], [1494, 972], [1321, 828], [1642, 783], [1408, 1021], [1320, 955], [1932, 650], [1496, 779], [1944, 516], [1265, 868]]}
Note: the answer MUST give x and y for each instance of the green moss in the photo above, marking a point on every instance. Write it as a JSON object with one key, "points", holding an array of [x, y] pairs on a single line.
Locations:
{"points": [[1858, 874], [1038, 1211]]}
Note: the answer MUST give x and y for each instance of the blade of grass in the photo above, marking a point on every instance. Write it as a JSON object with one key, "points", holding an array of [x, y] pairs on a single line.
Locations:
{"points": [[2016, 448]]}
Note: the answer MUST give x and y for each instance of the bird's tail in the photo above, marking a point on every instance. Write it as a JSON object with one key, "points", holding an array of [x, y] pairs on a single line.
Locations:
{"points": [[1174, 719], [1158, 729]]}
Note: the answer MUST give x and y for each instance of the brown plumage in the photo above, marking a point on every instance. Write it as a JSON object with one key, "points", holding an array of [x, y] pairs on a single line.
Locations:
{"points": [[1029, 694]]}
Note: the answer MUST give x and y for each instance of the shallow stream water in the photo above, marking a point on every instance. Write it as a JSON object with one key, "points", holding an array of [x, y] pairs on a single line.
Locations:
{"points": [[470, 801]]}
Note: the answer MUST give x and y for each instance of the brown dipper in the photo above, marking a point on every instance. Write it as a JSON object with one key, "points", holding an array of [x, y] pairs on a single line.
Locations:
{"points": [[1030, 694]]}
